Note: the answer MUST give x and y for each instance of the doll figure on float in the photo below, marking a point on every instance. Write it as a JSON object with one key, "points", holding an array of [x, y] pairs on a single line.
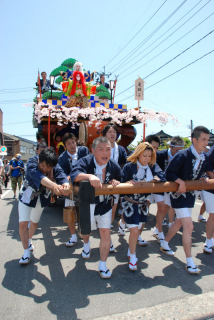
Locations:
{"points": [[78, 91]]}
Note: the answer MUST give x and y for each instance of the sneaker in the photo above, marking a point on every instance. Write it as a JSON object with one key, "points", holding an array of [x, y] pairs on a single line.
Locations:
{"points": [[105, 274], [142, 242], [31, 247], [112, 248], [86, 255], [24, 260], [71, 243]]}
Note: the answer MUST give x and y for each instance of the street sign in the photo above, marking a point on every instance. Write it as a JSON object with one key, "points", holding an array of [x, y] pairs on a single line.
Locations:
{"points": [[3, 151], [139, 89]]}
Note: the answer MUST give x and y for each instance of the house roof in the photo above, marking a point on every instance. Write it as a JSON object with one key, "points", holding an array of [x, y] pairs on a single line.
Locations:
{"points": [[26, 140], [10, 137], [162, 134]]}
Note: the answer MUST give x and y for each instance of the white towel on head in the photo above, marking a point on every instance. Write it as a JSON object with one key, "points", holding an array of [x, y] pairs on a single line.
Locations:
{"points": [[200, 157], [144, 172]]}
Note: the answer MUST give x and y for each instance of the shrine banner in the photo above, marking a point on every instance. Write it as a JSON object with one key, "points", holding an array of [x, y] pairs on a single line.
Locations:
{"points": [[139, 89]]}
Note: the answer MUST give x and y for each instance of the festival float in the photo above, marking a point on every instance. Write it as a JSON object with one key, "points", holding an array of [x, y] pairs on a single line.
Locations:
{"points": [[83, 107]]}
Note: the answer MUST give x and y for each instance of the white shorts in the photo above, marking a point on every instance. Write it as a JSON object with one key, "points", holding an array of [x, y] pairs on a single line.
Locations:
{"points": [[183, 213], [209, 201], [28, 213], [135, 225], [166, 198], [154, 198], [104, 221]]}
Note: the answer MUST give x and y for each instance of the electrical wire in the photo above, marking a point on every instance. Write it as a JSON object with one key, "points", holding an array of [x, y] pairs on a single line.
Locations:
{"points": [[170, 74], [164, 49], [136, 34], [5, 124], [121, 66], [173, 58], [149, 36]]}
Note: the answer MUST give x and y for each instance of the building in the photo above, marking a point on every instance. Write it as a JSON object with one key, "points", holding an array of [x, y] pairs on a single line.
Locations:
{"points": [[163, 136], [15, 144]]}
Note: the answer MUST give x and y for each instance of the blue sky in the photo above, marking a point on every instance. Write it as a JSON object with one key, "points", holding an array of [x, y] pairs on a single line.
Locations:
{"points": [[42, 34]]}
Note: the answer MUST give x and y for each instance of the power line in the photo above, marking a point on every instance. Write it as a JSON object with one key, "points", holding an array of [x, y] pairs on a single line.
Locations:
{"points": [[150, 35], [5, 124], [171, 74], [164, 41], [136, 34], [174, 58]]}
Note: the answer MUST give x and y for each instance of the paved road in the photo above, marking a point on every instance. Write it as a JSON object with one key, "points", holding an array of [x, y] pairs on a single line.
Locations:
{"points": [[59, 284]]}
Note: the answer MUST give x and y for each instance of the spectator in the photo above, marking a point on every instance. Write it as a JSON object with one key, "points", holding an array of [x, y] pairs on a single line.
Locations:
{"points": [[17, 169], [102, 81]]}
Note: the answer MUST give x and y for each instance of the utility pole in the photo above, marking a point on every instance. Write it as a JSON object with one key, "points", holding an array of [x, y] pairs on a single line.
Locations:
{"points": [[191, 125]]}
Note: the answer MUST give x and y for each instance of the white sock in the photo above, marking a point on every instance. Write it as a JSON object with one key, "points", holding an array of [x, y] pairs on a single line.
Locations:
{"points": [[26, 253], [86, 247], [190, 262], [139, 238], [133, 258], [122, 224], [165, 245], [128, 253], [170, 223], [213, 242], [102, 266], [155, 231], [161, 235], [111, 244], [74, 237], [29, 242], [209, 243]]}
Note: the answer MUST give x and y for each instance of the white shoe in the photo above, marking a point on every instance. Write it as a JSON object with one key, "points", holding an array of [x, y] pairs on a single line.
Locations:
{"points": [[24, 260], [31, 247], [71, 243]]}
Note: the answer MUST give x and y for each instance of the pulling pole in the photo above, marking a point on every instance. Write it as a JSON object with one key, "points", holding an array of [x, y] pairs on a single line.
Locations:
{"points": [[144, 132]]}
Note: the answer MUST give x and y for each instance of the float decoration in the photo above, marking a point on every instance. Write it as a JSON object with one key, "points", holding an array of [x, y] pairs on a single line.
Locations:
{"points": [[103, 93], [55, 95], [69, 63], [56, 72]]}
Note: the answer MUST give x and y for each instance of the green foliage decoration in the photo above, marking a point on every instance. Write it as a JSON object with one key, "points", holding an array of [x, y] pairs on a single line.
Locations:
{"points": [[59, 79], [56, 72], [101, 88], [56, 95], [69, 63], [103, 95]]}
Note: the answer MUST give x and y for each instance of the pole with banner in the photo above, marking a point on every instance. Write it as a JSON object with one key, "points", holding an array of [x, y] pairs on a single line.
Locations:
{"points": [[139, 95]]}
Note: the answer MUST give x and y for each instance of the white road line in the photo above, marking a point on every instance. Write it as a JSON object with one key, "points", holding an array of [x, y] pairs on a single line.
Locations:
{"points": [[4, 194]]}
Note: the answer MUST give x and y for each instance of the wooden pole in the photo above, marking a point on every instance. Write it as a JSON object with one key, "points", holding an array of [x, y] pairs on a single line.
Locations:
{"points": [[49, 129], [144, 132], [142, 187]]}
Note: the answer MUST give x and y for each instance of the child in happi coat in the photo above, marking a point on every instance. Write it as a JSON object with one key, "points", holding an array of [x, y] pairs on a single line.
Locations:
{"points": [[142, 168]]}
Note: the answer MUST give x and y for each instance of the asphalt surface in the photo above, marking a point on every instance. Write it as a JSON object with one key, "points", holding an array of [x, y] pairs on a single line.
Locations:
{"points": [[59, 284]]}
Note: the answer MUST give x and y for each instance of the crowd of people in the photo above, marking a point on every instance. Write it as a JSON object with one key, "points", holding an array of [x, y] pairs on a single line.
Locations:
{"points": [[108, 163]]}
